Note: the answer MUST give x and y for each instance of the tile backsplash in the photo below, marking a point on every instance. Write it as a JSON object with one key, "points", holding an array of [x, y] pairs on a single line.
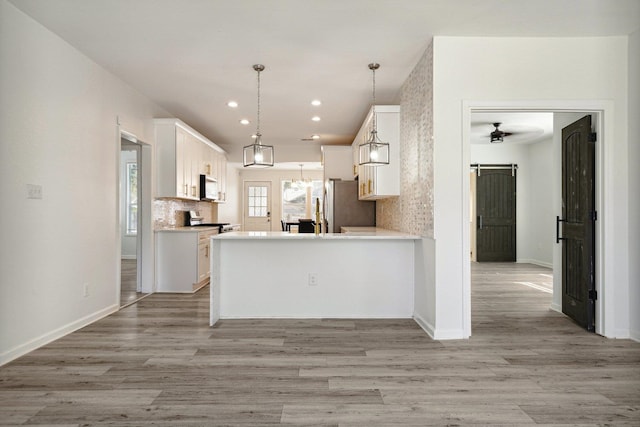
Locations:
{"points": [[169, 213], [412, 212]]}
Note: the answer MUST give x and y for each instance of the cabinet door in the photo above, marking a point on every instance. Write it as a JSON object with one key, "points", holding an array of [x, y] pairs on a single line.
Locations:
{"points": [[182, 185], [192, 166], [222, 177], [203, 261]]}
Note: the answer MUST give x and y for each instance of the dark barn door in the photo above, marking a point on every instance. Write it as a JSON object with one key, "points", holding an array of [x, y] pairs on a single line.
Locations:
{"points": [[578, 223], [496, 214]]}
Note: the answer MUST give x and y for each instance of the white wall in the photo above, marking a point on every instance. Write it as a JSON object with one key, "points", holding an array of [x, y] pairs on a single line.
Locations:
{"points": [[58, 129], [634, 183], [534, 224], [275, 176], [538, 70]]}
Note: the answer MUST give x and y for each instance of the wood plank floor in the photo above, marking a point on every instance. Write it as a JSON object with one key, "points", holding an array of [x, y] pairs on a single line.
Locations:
{"points": [[158, 362], [129, 282]]}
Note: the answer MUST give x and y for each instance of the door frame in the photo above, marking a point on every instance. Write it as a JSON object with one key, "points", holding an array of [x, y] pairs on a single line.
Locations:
{"points": [[603, 111], [144, 239]]}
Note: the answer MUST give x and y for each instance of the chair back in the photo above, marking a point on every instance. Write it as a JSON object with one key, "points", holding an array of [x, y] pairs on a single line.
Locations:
{"points": [[306, 226]]}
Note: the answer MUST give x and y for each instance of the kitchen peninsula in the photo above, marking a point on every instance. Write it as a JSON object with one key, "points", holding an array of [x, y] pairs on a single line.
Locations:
{"points": [[289, 275]]}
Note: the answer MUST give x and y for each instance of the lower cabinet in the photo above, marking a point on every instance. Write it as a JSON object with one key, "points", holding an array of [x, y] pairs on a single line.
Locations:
{"points": [[183, 259]]}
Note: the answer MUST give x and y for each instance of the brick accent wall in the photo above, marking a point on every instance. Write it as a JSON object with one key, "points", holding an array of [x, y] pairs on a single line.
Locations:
{"points": [[412, 211]]}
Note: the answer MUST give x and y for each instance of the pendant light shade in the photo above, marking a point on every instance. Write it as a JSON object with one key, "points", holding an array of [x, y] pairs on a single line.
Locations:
{"points": [[258, 155], [374, 152]]}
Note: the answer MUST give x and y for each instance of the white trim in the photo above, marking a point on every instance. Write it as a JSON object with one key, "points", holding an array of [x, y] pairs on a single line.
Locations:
{"points": [[128, 257], [556, 307], [634, 335], [48, 337], [535, 262], [426, 326], [605, 307]]}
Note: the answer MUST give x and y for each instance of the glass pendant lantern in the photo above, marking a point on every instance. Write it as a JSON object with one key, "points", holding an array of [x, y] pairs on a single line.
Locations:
{"points": [[374, 152], [258, 155]]}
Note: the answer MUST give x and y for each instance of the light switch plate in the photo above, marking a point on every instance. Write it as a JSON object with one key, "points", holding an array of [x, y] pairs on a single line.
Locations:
{"points": [[34, 191]]}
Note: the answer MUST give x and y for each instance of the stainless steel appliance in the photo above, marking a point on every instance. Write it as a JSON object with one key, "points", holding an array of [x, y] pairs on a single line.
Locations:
{"points": [[193, 219], [208, 188], [342, 207]]}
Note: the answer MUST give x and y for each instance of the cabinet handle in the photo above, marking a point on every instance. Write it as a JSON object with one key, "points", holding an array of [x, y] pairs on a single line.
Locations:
{"points": [[354, 170], [369, 186], [208, 168], [193, 191], [186, 189], [206, 251]]}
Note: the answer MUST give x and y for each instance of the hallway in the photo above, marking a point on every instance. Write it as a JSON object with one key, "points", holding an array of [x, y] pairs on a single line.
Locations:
{"points": [[158, 362]]}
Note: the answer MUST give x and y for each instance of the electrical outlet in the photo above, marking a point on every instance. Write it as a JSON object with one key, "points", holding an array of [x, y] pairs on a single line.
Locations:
{"points": [[34, 191], [313, 279], [85, 290]]}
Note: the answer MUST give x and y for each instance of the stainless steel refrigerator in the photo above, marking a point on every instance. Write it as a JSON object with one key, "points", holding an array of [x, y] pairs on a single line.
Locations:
{"points": [[342, 207]]}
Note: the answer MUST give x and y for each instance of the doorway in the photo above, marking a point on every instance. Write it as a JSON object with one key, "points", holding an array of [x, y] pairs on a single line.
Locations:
{"points": [[552, 172], [133, 180], [257, 206]]}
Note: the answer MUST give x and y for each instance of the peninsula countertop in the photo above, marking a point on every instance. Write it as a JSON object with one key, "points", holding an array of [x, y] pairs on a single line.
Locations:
{"points": [[370, 233]]}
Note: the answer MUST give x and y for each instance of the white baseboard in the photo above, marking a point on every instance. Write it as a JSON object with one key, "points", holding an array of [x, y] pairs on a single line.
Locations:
{"points": [[634, 335], [438, 334], [535, 262], [556, 307], [426, 326], [35, 343]]}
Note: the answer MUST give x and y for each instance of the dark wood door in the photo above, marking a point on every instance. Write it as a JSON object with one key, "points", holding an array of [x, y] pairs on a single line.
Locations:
{"points": [[496, 214], [578, 223]]}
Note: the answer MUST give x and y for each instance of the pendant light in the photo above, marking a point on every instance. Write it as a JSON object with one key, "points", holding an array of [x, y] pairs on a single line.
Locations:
{"points": [[258, 155], [302, 182], [374, 152]]}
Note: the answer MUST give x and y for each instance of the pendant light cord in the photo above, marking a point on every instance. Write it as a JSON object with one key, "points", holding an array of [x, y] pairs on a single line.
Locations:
{"points": [[258, 119], [373, 67]]}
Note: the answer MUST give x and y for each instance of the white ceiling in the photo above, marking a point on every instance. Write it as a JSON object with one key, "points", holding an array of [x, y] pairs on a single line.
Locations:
{"points": [[192, 56]]}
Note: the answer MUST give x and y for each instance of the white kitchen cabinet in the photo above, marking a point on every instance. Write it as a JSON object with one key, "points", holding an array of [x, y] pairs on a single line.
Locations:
{"points": [[182, 155], [183, 259], [222, 177], [379, 182], [336, 162]]}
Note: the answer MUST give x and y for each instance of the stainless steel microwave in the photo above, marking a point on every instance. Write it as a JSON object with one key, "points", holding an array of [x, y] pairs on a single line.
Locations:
{"points": [[208, 188]]}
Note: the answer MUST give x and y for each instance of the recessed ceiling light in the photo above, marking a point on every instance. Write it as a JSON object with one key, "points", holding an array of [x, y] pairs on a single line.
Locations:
{"points": [[316, 102], [245, 121], [315, 136], [315, 118], [232, 104]]}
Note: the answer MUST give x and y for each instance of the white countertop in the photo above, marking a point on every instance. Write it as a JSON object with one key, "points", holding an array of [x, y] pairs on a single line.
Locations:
{"points": [[186, 229], [372, 233]]}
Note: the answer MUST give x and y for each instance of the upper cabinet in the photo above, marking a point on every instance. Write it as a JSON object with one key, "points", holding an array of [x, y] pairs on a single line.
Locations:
{"points": [[182, 155], [379, 182], [336, 162]]}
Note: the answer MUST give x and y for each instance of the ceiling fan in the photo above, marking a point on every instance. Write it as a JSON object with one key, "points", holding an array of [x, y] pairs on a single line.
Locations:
{"points": [[497, 135]]}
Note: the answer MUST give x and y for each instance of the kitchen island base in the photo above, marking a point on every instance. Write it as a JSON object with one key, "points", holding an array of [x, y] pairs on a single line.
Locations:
{"points": [[282, 275]]}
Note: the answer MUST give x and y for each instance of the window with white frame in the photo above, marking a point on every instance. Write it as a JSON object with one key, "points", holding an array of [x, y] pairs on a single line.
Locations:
{"points": [[132, 198], [299, 199]]}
